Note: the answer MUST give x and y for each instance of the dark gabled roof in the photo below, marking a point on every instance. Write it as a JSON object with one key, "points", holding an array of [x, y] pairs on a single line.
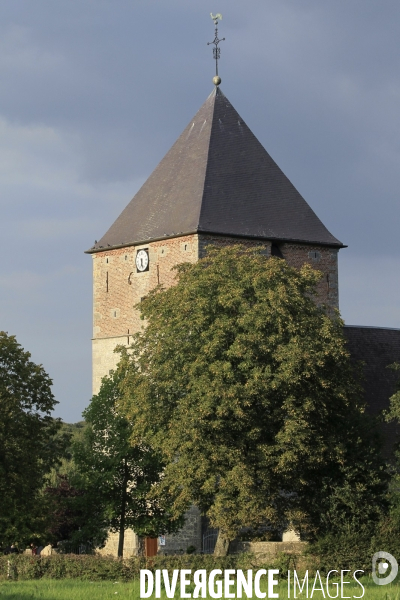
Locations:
{"points": [[217, 178]]}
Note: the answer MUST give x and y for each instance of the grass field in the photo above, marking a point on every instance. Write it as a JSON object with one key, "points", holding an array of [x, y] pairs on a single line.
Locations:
{"points": [[72, 589], [66, 589]]}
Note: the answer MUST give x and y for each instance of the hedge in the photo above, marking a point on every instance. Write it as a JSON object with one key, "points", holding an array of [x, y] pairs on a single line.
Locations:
{"points": [[97, 567]]}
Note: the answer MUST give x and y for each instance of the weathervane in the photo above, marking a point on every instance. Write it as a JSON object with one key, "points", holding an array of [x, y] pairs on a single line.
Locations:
{"points": [[216, 50]]}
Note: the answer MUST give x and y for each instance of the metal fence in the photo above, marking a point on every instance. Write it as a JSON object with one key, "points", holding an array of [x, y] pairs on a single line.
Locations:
{"points": [[75, 549], [209, 540]]}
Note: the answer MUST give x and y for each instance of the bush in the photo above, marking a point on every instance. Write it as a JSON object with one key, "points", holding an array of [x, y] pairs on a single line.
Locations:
{"points": [[93, 568], [98, 568], [350, 549], [286, 561], [353, 548], [195, 561]]}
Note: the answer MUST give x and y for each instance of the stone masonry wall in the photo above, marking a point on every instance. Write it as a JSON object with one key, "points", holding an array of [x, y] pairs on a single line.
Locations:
{"points": [[321, 258], [118, 287], [189, 535], [131, 544]]}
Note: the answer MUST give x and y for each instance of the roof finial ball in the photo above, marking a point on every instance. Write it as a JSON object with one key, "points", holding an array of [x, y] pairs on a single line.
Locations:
{"points": [[216, 49]]}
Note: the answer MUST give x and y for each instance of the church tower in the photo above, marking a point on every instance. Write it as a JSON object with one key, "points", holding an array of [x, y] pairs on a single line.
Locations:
{"points": [[216, 185]]}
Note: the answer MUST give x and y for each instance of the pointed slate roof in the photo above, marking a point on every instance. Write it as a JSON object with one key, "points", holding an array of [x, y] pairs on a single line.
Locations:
{"points": [[217, 178]]}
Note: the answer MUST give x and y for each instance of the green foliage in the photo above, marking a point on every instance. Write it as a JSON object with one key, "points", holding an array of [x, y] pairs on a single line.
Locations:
{"points": [[74, 430], [353, 546], [97, 568], [63, 514], [387, 535], [387, 532], [94, 568], [245, 387], [286, 561], [75, 433], [30, 444], [393, 414], [347, 549], [116, 476]]}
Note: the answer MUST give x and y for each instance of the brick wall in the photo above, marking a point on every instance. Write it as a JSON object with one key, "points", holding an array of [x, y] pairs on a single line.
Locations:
{"points": [[118, 287], [321, 258]]}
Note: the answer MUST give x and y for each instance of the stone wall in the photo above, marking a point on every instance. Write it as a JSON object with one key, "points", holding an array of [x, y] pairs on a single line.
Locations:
{"points": [[131, 544], [321, 258], [189, 535], [118, 288]]}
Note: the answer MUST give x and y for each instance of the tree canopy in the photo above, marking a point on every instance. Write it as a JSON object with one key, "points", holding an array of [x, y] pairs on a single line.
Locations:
{"points": [[244, 385], [116, 476], [29, 446]]}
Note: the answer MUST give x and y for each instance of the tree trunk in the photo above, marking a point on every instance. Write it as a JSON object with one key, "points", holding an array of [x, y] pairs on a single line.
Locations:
{"points": [[222, 545], [123, 511]]}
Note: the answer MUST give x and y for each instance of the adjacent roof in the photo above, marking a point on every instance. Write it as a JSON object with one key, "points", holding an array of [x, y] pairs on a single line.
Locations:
{"points": [[217, 178], [376, 348]]}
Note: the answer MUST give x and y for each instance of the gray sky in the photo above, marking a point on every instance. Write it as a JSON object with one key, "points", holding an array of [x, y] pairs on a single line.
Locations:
{"points": [[94, 92]]}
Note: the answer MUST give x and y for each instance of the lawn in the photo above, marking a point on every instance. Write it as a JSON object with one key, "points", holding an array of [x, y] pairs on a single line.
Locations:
{"points": [[66, 589], [73, 589]]}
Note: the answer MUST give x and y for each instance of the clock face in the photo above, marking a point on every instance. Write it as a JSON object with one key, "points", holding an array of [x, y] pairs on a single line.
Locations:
{"points": [[142, 261]]}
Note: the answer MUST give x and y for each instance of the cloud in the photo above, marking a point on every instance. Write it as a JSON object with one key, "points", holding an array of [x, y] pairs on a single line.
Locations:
{"points": [[36, 154], [37, 282], [20, 55], [369, 291], [41, 172], [95, 92]]}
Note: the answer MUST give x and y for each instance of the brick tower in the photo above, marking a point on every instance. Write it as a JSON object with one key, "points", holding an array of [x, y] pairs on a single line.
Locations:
{"points": [[217, 184]]}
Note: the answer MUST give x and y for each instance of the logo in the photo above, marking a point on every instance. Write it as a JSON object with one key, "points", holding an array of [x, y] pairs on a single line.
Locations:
{"points": [[384, 560]]}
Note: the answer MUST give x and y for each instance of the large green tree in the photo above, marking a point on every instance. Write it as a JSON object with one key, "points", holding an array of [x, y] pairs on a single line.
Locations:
{"points": [[116, 476], [29, 444], [244, 385]]}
